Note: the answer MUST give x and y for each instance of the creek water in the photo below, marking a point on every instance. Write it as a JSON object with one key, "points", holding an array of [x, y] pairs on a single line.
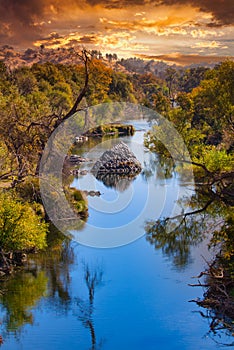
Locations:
{"points": [[109, 288]]}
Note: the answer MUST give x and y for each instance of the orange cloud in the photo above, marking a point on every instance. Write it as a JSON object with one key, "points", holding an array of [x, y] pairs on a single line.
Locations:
{"points": [[184, 60], [127, 26], [209, 45]]}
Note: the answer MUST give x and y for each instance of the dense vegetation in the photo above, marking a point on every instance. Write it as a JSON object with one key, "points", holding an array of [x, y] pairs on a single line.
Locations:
{"points": [[199, 102]]}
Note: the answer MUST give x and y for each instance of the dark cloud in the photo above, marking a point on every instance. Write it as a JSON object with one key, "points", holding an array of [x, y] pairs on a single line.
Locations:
{"points": [[24, 21], [222, 10], [19, 18], [86, 39]]}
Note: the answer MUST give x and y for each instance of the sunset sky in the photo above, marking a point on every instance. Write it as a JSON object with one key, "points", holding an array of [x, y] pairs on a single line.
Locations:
{"points": [[164, 28]]}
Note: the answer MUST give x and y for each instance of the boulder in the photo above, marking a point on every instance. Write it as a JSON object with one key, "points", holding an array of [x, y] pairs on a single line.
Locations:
{"points": [[118, 160]]}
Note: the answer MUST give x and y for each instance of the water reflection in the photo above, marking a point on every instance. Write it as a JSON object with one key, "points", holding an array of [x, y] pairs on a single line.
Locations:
{"points": [[93, 279], [18, 295], [206, 217], [176, 245], [156, 165], [47, 278], [46, 275], [117, 181], [175, 236]]}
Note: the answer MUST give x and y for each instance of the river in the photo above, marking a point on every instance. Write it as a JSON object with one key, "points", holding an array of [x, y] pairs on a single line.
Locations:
{"points": [[109, 288]]}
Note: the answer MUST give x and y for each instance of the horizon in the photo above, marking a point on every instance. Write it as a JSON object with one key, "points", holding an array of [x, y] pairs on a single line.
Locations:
{"points": [[176, 59]]}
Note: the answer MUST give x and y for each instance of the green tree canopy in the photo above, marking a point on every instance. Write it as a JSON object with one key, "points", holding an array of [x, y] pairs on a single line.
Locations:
{"points": [[20, 227]]}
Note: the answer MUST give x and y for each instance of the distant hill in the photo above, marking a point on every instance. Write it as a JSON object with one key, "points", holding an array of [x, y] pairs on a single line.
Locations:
{"points": [[14, 59]]}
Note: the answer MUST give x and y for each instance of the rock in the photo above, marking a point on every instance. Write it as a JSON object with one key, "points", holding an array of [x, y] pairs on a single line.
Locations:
{"points": [[81, 138], [77, 172], [118, 160], [75, 159], [93, 193]]}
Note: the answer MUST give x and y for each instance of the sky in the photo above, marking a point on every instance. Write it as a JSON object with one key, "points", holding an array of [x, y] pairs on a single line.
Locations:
{"points": [[185, 30]]}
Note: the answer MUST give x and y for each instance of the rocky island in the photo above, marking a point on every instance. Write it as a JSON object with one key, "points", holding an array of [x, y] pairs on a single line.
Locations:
{"points": [[118, 160], [117, 167]]}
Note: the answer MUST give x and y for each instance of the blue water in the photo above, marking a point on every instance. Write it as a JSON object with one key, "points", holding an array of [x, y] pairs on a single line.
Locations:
{"points": [[141, 299]]}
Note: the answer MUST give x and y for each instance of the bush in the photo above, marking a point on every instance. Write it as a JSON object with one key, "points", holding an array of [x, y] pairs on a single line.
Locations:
{"points": [[20, 227]]}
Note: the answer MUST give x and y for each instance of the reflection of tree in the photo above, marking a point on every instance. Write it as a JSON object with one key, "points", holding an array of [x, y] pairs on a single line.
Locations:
{"points": [[218, 326], [47, 274], [175, 236], [19, 294], [93, 279], [162, 167], [56, 263], [175, 243]]}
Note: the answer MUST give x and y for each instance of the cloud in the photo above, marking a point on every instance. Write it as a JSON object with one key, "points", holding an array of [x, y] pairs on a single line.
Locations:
{"points": [[120, 41], [185, 60], [22, 20], [165, 26], [209, 45], [203, 33], [54, 40], [221, 10], [173, 24]]}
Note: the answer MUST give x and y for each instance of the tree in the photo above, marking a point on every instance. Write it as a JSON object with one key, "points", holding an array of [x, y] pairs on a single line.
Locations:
{"points": [[121, 88], [204, 120], [191, 78], [171, 77], [20, 227], [35, 103], [213, 105]]}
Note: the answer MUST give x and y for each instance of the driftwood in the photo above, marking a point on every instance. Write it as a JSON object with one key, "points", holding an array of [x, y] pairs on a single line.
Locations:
{"points": [[217, 298]]}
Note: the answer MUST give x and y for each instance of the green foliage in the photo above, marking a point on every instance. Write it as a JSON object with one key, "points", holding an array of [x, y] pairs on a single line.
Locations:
{"points": [[213, 103], [121, 88], [19, 295], [191, 78], [205, 122], [216, 161], [151, 92], [118, 129], [100, 79], [79, 201], [20, 227], [29, 190]]}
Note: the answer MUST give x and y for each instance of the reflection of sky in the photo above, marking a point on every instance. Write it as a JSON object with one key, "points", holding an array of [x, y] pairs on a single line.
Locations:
{"points": [[142, 304], [129, 210]]}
